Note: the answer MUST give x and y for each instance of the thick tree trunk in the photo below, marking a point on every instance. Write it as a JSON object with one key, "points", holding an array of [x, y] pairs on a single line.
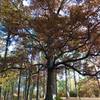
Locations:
{"points": [[51, 84]]}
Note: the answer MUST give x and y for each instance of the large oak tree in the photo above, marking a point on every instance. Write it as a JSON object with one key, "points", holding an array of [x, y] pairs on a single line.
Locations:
{"points": [[64, 33]]}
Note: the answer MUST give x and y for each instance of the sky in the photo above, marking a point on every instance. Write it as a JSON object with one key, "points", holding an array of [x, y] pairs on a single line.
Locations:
{"points": [[26, 2]]}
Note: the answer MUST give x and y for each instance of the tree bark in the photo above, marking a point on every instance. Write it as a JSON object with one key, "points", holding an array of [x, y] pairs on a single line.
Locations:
{"points": [[28, 85], [44, 84], [31, 91], [0, 92], [12, 91], [67, 88], [5, 93], [37, 92], [75, 82], [19, 83], [25, 88], [51, 84]]}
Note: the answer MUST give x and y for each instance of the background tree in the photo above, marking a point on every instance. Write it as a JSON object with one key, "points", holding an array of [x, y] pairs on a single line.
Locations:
{"points": [[89, 88]]}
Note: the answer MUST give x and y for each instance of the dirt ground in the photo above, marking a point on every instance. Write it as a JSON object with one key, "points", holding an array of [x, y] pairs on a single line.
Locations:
{"points": [[73, 98], [85, 98]]}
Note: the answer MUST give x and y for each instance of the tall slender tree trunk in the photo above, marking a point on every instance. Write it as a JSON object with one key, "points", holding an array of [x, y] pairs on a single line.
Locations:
{"points": [[37, 92], [5, 92], [55, 75], [75, 82], [51, 84], [0, 92], [44, 84], [25, 88], [69, 75], [7, 95], [31, 91], [67, 88], [19, 83], [28, 85], [12, 91]]}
